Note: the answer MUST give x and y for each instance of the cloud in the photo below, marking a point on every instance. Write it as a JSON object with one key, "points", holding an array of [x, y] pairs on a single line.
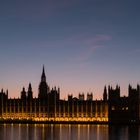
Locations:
{"points": [[90, 38], [90, 45], [88, 53], [87, 45], [97, 39]]}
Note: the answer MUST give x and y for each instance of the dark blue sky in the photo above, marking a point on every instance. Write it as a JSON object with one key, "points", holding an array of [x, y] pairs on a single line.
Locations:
{"points": [[83, 44]]}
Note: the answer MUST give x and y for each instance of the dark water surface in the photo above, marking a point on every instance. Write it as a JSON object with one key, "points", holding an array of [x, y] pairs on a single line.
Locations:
{"points": [[68, 132]]}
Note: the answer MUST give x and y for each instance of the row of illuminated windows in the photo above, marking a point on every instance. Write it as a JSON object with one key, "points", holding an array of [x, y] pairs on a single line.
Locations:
{"points": [[42, 109], [53, 115]]}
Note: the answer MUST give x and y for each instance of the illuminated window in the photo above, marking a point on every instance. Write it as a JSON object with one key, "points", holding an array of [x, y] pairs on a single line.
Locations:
{"points": [[113, 108]]}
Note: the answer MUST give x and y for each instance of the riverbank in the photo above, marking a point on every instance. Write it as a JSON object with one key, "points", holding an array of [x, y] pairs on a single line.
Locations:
{"points": [[10, 121]]}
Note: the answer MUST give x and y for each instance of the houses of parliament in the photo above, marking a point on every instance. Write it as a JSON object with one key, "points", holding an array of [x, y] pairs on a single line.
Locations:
{"points": [[48, 107]]}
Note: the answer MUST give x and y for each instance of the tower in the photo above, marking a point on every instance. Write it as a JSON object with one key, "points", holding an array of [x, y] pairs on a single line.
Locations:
{"points": [[105, 94], [43, 77], [114, 94], [30, 93], [43, 87], [23, 94], [134, 103]]}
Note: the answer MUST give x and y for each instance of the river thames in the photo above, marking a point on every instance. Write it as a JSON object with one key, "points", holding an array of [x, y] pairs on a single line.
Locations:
{"points": [[67, 132]]}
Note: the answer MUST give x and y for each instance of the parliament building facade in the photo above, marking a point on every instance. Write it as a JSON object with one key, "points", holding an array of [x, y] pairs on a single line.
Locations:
{"points": [[48, 107]]}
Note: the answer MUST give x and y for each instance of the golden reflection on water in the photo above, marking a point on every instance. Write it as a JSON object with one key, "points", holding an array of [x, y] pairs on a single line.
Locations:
{"points": [[67, 132], [35, 137], [78, 131], [19, 136]]}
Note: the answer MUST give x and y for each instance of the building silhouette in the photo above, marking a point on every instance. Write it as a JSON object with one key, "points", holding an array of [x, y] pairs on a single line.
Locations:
{"points": [[50, 108]]}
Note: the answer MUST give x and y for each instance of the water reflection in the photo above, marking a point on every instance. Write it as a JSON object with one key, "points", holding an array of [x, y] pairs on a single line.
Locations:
{"points": [[124, 132], [67, 132]]}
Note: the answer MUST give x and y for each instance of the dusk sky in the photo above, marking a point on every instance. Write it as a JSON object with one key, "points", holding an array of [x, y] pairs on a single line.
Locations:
{"points": [[84, 45]]}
